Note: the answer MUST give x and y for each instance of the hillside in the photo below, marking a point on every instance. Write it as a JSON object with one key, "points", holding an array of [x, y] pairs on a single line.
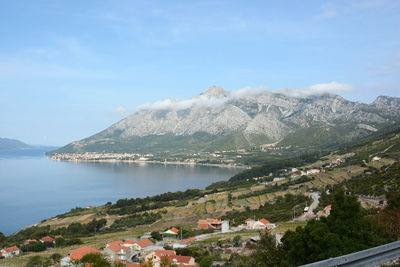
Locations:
{"points": [[367, 169], [9, 144], [219, 120]]}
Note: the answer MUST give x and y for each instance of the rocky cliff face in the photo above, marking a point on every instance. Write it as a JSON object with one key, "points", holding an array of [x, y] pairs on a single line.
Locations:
{"points": [[266, 115]]}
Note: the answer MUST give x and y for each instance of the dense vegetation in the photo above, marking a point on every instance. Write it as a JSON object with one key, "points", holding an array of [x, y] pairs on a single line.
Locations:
{"points": [[346, 230], [70, 233], [378, 183]]}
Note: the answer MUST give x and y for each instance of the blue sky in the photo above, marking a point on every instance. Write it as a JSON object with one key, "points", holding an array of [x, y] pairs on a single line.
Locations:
{"points": [[69, 69]]}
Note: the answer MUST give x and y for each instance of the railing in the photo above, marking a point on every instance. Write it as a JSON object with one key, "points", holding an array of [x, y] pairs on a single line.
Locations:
{"points": [[369, 257]]}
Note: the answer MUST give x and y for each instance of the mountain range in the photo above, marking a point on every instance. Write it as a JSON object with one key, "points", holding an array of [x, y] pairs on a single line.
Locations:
{"points": [[218, 119]]}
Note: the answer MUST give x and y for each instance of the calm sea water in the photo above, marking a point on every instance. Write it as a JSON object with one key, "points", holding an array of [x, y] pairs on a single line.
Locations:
{"points": [[33, 187]]}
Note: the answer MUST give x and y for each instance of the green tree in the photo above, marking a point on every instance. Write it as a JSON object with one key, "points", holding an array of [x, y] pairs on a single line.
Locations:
{"points": [[156, 235], [39, 246], [95, 260], [237, 239], [56, 257], [344, 231]]}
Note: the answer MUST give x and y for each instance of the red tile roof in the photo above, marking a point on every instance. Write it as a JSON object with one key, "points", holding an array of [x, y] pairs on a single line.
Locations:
{"points": [[264, 221], [164, 253], [30, 240], [78, 253], [129, 242], [249, 220], [47, 239], [11, 249], [116, 246], [179, 259], [144, 243], [58, 236], [174, 230]]}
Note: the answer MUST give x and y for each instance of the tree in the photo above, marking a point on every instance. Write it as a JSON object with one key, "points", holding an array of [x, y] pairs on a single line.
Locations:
{"points": [[95, 260], [156, 235], [387, 222], [3, 239], [39, 246], [344, 231], [164, 261], [56, 257], [237, 239]]}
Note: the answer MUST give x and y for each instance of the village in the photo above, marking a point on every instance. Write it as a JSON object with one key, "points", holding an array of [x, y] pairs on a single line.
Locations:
{"points": [[160, 248]]}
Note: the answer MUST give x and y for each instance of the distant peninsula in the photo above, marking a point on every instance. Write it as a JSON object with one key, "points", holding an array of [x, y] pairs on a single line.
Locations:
{"points": [[13, 144]]}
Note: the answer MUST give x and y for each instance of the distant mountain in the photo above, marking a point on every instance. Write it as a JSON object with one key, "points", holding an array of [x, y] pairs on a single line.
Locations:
{"points": [[9, 144], [221, 120]]}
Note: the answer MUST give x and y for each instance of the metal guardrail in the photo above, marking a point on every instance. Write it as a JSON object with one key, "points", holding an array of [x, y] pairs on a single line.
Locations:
{"points": [[365, 258]]}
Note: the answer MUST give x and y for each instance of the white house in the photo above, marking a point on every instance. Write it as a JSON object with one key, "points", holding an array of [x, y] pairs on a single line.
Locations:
{"points": [[10, 252]]}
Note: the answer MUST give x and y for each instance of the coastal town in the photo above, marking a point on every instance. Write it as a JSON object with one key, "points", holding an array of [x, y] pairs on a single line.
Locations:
{"points": [[162, 248]]}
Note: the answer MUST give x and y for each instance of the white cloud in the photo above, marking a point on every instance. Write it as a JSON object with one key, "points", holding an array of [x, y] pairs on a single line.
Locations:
{"points": [[122, 111], [209, 101], [319, 89]]}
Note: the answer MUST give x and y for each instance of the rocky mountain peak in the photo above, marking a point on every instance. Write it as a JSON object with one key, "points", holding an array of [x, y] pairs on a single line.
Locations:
{"points": [[216, 91]]}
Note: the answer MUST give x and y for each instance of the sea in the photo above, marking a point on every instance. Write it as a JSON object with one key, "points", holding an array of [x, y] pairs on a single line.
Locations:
{"points": [[34, 187]]}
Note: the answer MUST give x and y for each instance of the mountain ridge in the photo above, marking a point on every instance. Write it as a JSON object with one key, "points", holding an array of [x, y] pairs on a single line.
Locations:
{"points": [[242, 119]]}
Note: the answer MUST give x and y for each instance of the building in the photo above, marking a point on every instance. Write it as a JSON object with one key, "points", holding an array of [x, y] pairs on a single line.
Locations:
{"points": [[326, 212], [260, 224], [172, 231], [10, 252], [47, 239], [117, 250], [209, 223], [77, 254], [158, 256], [225, 227]]}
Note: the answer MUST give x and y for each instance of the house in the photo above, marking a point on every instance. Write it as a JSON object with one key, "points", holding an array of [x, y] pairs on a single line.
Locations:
{"points": [[249, 223], [117, 250], [142, 244], [260, 224], [77, 254], [10, 252], [47, 239], [58, 236], [326, 212], [157, 255], [328, 209], [209, 223], [172, 231]]}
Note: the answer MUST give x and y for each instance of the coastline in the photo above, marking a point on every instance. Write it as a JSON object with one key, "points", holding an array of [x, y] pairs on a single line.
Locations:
{"points": [[155, 162]]}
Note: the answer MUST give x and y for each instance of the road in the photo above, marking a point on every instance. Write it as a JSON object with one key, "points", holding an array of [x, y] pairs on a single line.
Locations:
{"points": [[310, 213]]}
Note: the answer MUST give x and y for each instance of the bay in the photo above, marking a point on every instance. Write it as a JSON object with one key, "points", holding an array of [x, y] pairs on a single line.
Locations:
{"points": [[33, 187]]}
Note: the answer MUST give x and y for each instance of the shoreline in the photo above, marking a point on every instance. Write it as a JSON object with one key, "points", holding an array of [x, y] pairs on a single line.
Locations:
{"points": [[155, 162]]}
